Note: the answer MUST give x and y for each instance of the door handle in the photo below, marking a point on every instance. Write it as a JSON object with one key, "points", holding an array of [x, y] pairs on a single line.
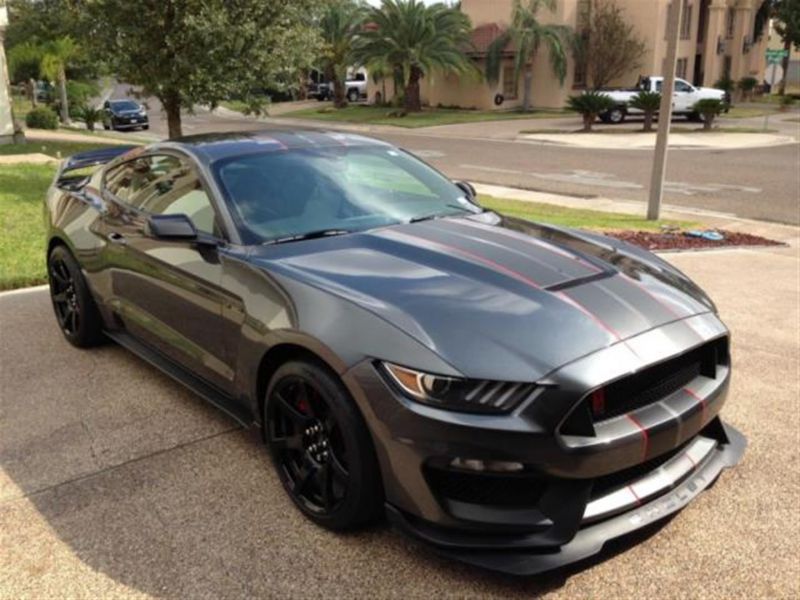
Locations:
{"points": [[116, 238]]}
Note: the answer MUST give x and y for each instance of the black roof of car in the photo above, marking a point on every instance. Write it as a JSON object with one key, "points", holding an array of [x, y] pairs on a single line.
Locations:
{"points": [[210, 147]]}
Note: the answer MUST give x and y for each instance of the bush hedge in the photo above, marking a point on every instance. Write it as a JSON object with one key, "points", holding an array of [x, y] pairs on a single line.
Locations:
{"points": [[41, 118]]}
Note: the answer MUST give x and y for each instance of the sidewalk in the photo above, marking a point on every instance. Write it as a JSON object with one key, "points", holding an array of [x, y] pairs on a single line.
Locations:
{"points": [[788, 234]]}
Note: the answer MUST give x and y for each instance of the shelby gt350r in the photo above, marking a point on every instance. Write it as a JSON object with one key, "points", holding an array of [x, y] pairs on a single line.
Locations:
{"points": [[515, 394]]}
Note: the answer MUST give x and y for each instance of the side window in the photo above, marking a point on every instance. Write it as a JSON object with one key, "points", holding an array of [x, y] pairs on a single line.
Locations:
{"points": [[682, 86], [163, 185]]}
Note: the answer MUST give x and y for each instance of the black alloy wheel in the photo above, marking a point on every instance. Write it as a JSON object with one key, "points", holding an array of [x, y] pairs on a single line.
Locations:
{"points": [[75, 310], [321, 448], [616, 115]]}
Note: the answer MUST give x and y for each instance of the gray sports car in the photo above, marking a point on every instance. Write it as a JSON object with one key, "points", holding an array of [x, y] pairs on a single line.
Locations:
{"points": [[515, 394]]}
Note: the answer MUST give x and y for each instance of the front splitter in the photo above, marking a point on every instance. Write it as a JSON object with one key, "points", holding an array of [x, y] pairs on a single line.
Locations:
{"points": [[590, 540]]}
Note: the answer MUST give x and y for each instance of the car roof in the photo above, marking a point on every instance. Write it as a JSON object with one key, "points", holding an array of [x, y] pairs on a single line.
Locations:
{"points": [[210, 147]]}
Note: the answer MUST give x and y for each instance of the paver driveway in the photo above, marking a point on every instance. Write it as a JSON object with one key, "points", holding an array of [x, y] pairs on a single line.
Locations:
{"points": [[116, 482]]}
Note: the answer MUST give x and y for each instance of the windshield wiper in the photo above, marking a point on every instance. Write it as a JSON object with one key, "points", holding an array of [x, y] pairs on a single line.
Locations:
{"points": [[309, 235], [440, 215]]}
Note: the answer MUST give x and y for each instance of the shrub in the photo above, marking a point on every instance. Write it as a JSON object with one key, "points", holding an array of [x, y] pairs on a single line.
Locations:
{"points": [[41, 118], [725, 83], [590, 105], [746, 85], [708, 108], [786, 102], [90, 116], [648, 103]]}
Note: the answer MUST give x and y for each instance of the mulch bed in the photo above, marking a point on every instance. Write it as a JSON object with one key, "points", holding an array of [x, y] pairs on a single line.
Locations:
{"points": [[651, 240]]}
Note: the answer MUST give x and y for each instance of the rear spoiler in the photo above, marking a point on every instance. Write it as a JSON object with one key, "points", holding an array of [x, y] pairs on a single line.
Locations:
{"points": [[94, 157], [72, 181]]}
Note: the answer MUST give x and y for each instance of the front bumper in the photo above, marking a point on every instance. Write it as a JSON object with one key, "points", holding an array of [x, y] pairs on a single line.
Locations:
{"points": [[577, 488], [524, 555]]}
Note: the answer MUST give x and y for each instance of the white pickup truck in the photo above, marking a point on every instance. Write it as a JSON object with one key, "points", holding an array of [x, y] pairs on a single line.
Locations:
{"points": [[683, 99]]}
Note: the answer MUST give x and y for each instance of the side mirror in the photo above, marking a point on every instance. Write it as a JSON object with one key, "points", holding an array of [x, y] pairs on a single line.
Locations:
{"points": [[467, 188], [171, 227]]}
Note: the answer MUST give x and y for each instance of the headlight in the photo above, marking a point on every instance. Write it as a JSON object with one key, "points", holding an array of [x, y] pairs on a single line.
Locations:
{"points": [[465, 395]]}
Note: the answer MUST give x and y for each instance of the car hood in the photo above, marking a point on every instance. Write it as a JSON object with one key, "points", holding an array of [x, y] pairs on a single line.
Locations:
{"points": [[711, 92], [495, 296]]}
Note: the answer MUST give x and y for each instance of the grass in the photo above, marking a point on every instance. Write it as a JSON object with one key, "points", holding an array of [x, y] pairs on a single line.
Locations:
{"points": [[575, 217], [380, 115], [22, 189], [57, 149], [744, 112]]}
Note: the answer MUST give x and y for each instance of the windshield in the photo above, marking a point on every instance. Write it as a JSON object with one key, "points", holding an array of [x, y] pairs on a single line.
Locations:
{"points": [[125, 105], [276, 195]]}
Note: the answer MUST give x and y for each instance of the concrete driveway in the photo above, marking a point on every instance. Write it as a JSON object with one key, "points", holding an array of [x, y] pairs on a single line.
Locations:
{"points": [[116, 482]]}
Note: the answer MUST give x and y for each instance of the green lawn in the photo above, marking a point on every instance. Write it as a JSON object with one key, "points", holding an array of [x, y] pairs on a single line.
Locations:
{"points": [[380, 115], [574, 217], [22, 190], [746, 112], [58, 149]]}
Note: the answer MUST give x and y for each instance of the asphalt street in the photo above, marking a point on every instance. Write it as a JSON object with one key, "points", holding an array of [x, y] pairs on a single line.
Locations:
{"points": [[117, 482], [757, 183]]}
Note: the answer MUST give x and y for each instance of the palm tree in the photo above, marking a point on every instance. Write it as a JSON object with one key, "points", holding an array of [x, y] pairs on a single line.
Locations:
{"points": [[648, 103], [415, 39], [340, 24], [57, 55], [590, 105], [527, 34], [708, 109]]}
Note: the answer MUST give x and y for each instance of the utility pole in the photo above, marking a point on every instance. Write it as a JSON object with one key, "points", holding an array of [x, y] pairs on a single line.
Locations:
{"points": [[665, 112]]}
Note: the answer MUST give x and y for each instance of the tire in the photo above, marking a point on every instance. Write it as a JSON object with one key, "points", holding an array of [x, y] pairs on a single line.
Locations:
{"points": [[145, 127], [74, 307], [320, 447], [695, 117], [353, 95], [106, 126], [616, 115]]}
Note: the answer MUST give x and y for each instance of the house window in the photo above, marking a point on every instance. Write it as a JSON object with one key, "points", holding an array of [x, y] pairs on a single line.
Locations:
{"points": [[509, 83], [730, 23], [681, 68], [686, 20]]}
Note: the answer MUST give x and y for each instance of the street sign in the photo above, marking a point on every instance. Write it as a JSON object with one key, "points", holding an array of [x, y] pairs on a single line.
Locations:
{"points": [[775, 57]]}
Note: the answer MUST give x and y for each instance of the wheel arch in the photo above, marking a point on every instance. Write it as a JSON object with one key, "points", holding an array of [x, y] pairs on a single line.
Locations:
{"points": [[271, 361]]}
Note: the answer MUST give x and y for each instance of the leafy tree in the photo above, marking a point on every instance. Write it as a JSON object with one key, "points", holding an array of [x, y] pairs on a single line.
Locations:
{"points": [[340, 24], [187, 52], [610, 47], [590, 105], [24, 66], [527, 34], [415, 39], [41, 21], [90, 116], [55, 57], [648, 103], [709, 109], [787, 24]]}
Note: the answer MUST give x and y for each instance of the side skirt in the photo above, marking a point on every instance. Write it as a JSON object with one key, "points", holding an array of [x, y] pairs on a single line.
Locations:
{"points": [[222, 401]]}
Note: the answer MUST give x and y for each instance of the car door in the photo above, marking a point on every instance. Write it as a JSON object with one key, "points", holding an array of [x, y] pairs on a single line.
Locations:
{"points": [[167, 292], [684, 96]]}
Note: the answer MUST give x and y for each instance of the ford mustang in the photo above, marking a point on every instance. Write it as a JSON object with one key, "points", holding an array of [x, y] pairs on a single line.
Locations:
{"points": [[513, 393]]}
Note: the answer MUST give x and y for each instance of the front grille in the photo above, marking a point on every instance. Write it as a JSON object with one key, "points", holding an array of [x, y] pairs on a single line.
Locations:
{"points": [[646, 387], [494, 489]]}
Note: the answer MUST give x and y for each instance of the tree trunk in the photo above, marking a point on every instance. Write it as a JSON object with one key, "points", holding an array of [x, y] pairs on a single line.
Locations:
{"points": [[32, 92], [62, 88], [708, 121], [648, 121], [588, 119], [399, 85], [413, 102], [787, 47], [527, 80], [339, 100], [172, 106]]}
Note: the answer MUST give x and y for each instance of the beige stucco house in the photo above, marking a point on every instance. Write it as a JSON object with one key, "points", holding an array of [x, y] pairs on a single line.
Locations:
{"points": [[717, 36]]}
